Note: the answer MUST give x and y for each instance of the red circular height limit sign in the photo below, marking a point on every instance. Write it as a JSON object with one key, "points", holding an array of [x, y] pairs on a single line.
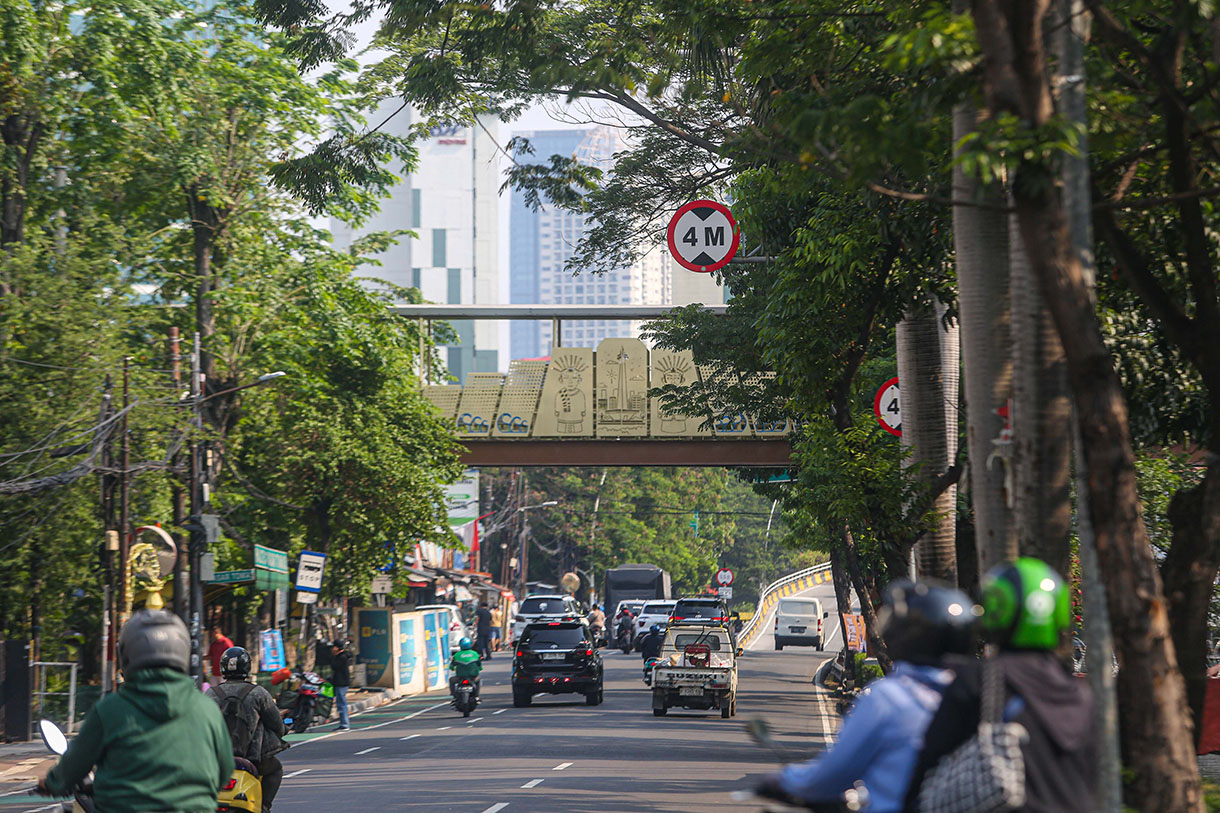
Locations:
{"points": [[887, 406], [703, 236]]}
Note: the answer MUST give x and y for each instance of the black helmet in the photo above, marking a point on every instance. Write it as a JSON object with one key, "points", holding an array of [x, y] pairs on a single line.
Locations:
{"points": [[154, 638], [235, 663], [924, 621]]}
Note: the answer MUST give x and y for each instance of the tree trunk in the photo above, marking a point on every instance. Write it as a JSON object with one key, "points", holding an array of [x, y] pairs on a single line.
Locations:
{"points": [[980, 241], [843, 599], [927, 383], [1189, 573], [1042, 423], [876, 644]]}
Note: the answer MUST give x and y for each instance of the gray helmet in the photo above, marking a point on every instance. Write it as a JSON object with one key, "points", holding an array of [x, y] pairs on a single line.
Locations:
{"points": [[154, 638]]}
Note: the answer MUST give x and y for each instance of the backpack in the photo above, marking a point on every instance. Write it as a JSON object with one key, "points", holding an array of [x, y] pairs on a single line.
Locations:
{"points": [[239, 719]]}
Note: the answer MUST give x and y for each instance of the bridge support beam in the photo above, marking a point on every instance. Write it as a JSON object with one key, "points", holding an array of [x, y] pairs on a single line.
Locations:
{"points": [[752, 453]]}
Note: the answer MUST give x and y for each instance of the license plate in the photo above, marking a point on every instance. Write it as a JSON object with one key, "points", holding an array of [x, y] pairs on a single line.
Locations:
{"points": [[796, 629], [690, 690], [553, 656]]}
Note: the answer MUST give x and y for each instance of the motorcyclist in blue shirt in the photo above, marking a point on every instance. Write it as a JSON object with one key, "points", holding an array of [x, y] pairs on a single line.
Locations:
{"points": [[882, 735]]}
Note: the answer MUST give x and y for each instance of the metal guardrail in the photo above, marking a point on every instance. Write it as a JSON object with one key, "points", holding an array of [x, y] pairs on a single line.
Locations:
{"points": [[773, 592]]}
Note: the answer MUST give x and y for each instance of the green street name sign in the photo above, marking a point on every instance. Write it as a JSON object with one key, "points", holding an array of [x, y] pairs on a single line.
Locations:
{"points": [[266, 558], [232, 576]]}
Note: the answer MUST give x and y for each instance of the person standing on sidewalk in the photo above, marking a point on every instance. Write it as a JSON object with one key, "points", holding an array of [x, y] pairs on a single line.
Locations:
{"points": [[497, 625], [341, 678], [220, 643], [483, 631]]}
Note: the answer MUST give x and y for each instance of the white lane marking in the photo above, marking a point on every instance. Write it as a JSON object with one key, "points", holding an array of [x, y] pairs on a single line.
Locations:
{"points": [[368, 750], [413, 736], [371, 727], [501, 711], [473, 720], [834, 630], [496, 808], [445, 728], [56, 806], [297, 773], [533, 783], [561, 766]]}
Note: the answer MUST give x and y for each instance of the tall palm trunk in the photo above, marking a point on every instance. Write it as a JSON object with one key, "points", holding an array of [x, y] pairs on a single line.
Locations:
{"points": [[980, 241], [1042, 422], [929, 426]]}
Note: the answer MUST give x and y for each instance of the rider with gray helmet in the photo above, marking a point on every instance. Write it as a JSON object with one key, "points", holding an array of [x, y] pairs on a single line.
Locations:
{"points": [[157, 743]]}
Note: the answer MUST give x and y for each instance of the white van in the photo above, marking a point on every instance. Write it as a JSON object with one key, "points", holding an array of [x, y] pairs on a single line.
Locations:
{"points": [[799, 622]]}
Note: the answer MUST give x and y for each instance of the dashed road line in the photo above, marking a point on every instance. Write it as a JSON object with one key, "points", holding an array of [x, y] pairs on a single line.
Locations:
{"points": [[499, 711], [299, 743], [473, 720], [368, 750], [445, 728], [411, 737], [533, 783], [297, 773], [561, 766], [496, 808]]}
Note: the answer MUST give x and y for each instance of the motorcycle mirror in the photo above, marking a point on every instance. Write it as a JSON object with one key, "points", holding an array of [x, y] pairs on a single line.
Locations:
{"points": [[52, 737]]}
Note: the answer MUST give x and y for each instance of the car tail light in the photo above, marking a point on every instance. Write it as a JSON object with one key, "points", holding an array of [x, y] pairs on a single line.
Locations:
{"points": [[520, 653], [232, 783], [589, 653]]}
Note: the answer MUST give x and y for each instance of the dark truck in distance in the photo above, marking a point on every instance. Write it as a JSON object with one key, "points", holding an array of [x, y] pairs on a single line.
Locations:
{"points": [[641, 582]]}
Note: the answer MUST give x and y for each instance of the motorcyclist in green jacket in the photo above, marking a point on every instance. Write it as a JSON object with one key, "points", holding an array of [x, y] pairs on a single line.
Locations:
{"points": [[466, 663], [158, 743]]}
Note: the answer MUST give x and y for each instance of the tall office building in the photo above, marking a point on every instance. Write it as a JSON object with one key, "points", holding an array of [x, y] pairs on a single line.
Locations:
{"points": [[542, 241], [450, 202]]}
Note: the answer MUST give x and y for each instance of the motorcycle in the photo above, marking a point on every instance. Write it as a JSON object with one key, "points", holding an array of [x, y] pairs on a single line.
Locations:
{"points": [[465, 699], [622, 634], [853, 800], [649, 665], [57, 743], [243, 791], [598, 633], [305, 698]]}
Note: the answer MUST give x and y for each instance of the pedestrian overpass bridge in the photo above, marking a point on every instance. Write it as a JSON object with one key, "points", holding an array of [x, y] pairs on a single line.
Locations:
{"points": [[591, 407]]}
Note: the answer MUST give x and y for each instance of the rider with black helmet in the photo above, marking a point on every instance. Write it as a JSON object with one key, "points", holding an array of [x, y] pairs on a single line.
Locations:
{"points": [[922, 624], [256, 727], [1026, 614], [157, 742]]}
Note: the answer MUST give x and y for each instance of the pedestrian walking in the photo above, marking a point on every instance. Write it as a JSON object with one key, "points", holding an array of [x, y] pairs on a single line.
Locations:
{"points": [[482, 618], [220, 642], [341, 679], [497, 625]]}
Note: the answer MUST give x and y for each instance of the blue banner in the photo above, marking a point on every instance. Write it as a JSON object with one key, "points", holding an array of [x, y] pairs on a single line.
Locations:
{"points": [[432, 646], [375, 653], [271, 650], [406, 650]]}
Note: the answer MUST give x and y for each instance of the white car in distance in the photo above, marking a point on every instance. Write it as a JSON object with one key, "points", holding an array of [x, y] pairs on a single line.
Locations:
{"points": [[799, 622], [653, 612], [534, 607], [457, 630]]}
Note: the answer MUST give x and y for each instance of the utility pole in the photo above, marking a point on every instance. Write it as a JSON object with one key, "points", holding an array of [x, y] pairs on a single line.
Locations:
{"points": [[124, 498], [198, 504], [181, 594], [109, 545]]}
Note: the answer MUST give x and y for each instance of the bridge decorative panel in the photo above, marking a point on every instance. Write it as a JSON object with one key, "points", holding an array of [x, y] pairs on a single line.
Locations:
{"points": [[581, 394]]}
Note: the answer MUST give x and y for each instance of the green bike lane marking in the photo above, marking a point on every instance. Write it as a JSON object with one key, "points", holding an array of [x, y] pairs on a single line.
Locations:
{"points": [[395, 711]]}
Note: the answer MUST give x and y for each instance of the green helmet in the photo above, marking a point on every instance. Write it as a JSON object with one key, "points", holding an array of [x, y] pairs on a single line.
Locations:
{"points": [[465, 643], [1026, 605]]}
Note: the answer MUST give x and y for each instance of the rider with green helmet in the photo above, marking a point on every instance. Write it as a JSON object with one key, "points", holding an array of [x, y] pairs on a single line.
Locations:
{"points": [[1027, 615], [466, 663]]}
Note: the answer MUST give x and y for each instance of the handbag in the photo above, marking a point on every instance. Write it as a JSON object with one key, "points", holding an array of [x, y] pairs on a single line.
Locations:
{"points": [[986, 774]]}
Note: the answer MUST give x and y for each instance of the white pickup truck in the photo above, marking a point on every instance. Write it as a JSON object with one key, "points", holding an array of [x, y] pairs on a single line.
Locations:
{"points": [[697, 669]]}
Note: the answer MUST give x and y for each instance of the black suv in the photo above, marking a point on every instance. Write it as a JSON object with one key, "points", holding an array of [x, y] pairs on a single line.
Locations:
{"points": [[556, 657]]}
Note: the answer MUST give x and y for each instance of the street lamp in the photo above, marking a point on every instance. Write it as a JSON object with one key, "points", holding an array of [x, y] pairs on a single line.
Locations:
{"points": [[204, 527]]}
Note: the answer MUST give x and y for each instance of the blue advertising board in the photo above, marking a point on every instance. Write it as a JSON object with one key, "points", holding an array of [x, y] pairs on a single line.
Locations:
{"points": [[406, 651], [271, 650], [432, 646], [374, 628]]}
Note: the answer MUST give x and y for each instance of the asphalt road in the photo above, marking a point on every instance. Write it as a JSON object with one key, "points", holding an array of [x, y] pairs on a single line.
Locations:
{"points": [[559, 754]]}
